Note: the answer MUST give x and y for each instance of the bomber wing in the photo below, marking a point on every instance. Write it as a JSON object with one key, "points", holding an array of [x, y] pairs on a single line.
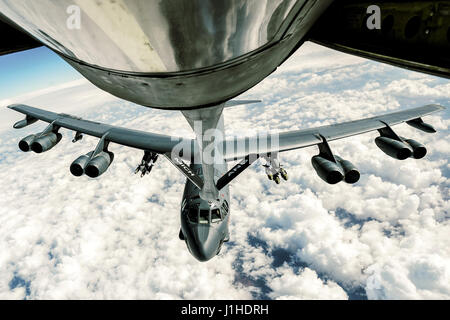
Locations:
{"points": [[330, 168], [248, 149], [146, 141], [239, 148], [152, 144]]}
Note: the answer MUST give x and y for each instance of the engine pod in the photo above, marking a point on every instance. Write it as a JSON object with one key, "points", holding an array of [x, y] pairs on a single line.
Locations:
{"points": [[419, 150], [351, 173], [99, 164], [25, 143], [46, 142], [394, 148], [78, 166], [328, 171]]}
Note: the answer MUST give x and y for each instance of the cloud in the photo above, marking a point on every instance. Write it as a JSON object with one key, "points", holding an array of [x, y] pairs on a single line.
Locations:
{"points": [[304, 286], [75, 97], [117, 237]]}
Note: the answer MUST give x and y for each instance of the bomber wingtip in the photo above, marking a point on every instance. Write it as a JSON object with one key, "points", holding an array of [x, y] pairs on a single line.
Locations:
{"points": [[12, 106], [432, 108], [439, 107]]}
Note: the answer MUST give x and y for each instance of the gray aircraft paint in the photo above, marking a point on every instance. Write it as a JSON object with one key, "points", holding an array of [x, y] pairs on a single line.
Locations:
{"points": [[204, 240]]}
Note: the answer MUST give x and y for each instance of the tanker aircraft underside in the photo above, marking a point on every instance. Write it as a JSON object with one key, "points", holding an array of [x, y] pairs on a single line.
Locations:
{"points": [[195, 57]]}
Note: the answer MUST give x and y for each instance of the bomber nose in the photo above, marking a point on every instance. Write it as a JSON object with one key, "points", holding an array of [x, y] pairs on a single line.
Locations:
{"points": [[204, 253], [205, 247]]}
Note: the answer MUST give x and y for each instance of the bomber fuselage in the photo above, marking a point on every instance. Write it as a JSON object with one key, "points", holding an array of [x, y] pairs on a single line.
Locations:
{"points": [[204, 225]]}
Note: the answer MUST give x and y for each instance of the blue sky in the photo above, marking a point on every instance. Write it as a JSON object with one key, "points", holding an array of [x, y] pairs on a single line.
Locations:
{"points": [[32, 70]]}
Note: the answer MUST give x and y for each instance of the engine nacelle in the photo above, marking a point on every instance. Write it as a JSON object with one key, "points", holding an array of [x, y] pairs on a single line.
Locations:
{"points": [[25, 143], [419, 150], [46, 142], [351, 173], [78, 166], [327, 170], [98, 165], [394, 148]]}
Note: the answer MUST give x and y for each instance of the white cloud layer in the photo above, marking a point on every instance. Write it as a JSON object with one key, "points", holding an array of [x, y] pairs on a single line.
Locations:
{"points": [[117, 237]]}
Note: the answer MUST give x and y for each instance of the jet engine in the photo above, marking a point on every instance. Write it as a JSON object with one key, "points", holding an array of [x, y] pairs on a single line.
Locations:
{"points": [[419, 150], [327, 170], [46, 142], [78, 166], [40, 143], [99, 164], [394, 148], [351, 173], [25, 143]]}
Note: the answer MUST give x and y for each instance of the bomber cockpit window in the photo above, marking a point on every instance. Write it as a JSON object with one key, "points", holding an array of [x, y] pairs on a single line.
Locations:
{"points": [[193, 214], [225, 208], [215, 215], [204, 216]]}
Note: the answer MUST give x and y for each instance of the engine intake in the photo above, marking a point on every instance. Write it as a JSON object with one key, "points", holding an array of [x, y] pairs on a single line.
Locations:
{"points": [[78, 166], [99, 164], [46, 142], [394, 148], [351, 173], [25, 143], [328, 171]]}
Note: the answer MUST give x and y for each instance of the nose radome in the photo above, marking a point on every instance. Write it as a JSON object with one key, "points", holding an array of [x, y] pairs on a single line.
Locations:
{"points": [[205, 246], [204, 253]]}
